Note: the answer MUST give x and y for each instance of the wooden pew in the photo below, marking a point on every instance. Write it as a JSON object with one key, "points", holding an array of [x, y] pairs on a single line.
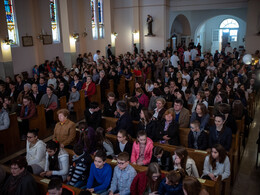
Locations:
{"points": [[111, 87], [39, 122], [42, 186], [80, 106], [131, 85], [121, 87], [198, 156], [62, 103], [97, 96], [10, 138]]}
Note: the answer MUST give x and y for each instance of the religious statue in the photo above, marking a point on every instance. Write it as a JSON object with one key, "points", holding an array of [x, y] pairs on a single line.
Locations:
{"points": [[150, 24]]}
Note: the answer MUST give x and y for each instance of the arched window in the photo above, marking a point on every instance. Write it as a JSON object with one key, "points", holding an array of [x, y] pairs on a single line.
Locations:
{"points": [[54, 21], [94, 19], [101, 18], [11, 21], [230, 26]]}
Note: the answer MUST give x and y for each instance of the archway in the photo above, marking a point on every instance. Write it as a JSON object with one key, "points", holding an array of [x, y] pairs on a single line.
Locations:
{"points": [[214, 33], [180, 31]]}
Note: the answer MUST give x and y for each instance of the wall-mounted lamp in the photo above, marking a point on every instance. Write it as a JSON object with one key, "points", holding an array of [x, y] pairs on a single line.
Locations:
{"points": [[84, 34], [114, 34], [8, 41], [40, 37], [135, 31], [75, 36]]}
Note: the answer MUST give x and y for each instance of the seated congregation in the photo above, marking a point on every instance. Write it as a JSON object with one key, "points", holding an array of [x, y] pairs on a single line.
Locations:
{"points": [[150, 127]]}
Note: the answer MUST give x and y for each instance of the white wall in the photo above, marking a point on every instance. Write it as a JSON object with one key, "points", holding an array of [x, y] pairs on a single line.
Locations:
{"points": [[253, 26], [214, 23]]}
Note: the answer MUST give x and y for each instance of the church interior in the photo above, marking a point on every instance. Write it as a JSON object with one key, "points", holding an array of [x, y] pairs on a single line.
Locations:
{"points": [[87, 79]]}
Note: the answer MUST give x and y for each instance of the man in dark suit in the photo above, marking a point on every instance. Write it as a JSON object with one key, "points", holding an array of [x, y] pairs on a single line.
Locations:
{"points": [[124, 121], [36, 95], [109, 52]]}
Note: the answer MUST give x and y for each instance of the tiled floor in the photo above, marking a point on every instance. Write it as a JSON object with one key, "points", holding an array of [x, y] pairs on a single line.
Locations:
{"points": [[248, 177]]}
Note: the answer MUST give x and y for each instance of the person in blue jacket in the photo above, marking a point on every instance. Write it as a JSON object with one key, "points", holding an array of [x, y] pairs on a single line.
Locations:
{"points": [[172, 183], [100, 174]]}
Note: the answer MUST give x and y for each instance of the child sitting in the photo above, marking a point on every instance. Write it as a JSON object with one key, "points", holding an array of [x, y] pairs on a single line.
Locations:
{"points": [[93, 115], [100, 174], [57, 161], [142, 149], [197, 139], [87, 138], [74, 97], [172, 184], [163, 158], [123, 176], [79, 170]]}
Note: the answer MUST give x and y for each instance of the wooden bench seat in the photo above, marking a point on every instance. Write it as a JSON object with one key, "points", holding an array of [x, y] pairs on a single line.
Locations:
{"points": [[79, 106], [39, 122], [10, 138], [42, 186]]}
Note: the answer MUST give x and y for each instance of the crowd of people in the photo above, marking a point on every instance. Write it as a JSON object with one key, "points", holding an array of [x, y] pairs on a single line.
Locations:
{"points": [[186, 79]]}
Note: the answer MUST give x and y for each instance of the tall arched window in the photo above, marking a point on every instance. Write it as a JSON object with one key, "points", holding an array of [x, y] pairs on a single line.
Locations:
{"points": [[230, 26], [54, 21], [101, 18], [94, 19], [11, 21]]}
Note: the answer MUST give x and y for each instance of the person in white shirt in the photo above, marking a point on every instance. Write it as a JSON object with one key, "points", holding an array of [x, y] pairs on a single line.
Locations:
{"points": [[228, 49], [96, 56], [187, 55], [175, 59], [35, 152], [57, 161], [52, 80], [194, 52]]}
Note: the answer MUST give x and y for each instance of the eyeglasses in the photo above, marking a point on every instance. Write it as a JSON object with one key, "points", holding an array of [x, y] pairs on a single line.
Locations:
{"points": [[121, 163]]}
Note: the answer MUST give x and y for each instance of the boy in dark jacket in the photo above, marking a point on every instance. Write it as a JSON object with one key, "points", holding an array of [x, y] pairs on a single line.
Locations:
{"points": [[197, 139], [93, 115], [79, 170]]}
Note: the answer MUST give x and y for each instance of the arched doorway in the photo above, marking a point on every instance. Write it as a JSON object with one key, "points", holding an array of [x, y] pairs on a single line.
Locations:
{"points": [[214, 33], [180, 31]]}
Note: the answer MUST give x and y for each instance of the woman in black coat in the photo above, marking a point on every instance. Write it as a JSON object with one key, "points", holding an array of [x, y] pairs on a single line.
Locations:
{"points": [[168, 129], [147, 124], [220, 134]]}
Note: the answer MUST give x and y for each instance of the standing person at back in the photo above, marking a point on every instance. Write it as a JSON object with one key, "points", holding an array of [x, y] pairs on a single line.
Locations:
{"points": [[175, 60], [96, 56]]}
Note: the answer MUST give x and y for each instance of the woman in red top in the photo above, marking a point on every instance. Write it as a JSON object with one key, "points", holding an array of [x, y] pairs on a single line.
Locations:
{"points": [[89, 88], [147, 182]]}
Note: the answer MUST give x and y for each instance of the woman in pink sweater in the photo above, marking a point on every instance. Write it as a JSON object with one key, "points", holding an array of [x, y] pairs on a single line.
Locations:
{"points": [[142, 149]]}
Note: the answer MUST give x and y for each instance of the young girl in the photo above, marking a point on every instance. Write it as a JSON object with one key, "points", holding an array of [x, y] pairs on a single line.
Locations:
{"points": [[103, 143], [146, 123], [216, 164], [57, 161], [87, 138], [147, 182], [181, 160], [192, 186], [163, 158], [142, 149], [172, 184], [122, 143]]}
